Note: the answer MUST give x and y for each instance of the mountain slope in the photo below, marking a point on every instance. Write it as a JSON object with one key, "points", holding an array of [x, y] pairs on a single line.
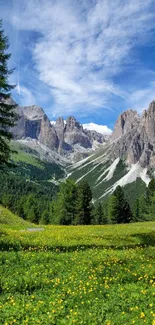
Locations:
{"points": [[128, 157], [105, 175], [30, 165]]}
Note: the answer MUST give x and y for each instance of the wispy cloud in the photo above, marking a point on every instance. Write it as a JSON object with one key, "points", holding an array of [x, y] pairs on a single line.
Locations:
{"points": [[141, 98], [26, 95], [81, 46]]}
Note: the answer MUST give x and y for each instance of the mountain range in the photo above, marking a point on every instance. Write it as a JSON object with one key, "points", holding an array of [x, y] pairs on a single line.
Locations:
{"points": [[67, 138], [126, 157]]}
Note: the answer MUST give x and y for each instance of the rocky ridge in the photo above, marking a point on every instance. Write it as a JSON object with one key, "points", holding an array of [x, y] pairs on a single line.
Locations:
{"points": [[127, 158], [68, 138], [133, 138]]}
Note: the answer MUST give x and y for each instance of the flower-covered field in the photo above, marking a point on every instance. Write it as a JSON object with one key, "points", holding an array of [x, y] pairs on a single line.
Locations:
{"points": [[88, 275]]}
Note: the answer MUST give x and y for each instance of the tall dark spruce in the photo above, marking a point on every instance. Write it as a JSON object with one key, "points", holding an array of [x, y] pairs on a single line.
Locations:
{"points": [[119, 209], [84, 204], [8, 115]]}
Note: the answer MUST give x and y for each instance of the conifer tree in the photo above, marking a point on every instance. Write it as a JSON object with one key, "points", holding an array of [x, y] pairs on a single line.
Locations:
{"points": [[65, 203], [119, 207], [44, 217], [84, 204], [113, 209], [151, 187], [99, 216], [7, 108], [136, 210]]}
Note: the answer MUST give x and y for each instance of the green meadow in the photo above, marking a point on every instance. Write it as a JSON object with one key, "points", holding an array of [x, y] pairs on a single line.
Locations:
{"points": [[76, 274]]}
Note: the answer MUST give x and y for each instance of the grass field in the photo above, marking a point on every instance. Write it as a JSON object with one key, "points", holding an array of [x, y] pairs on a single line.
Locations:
{"points": [[88, 275]]}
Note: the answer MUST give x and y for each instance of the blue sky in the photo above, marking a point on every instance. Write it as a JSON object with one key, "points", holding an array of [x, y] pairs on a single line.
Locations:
{"points": [[89, 58]]}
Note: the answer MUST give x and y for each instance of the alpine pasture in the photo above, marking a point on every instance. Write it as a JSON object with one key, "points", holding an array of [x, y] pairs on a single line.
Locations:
{"points": [[77, 274]]}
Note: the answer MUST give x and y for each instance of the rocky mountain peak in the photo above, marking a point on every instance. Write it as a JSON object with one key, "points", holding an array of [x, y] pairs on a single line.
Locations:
{"points": [[33, 112], [60, 123], [148, 122], [152, 106], [125, 123], [71, 124]]}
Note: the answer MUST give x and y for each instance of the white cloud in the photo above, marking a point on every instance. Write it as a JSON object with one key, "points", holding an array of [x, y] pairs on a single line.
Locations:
{"points": [[82, 45], [99, 128], [26, 97], [140, 99]]}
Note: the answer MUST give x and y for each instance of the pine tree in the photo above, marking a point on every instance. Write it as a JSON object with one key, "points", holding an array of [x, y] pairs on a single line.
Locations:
{"points": [[119, 207], [8, 115], [152, 215], [99, 216], [44, 220], [136, 210], [84, 204], [65, 203], [113, 209], [151, 187]]}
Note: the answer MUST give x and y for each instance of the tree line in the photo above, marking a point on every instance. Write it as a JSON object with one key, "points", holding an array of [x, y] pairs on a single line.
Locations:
{"points": [[144, 206], [71, 203]]}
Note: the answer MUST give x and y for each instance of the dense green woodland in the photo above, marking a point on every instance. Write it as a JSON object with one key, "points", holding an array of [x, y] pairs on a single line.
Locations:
{"points": [[71, 203]]}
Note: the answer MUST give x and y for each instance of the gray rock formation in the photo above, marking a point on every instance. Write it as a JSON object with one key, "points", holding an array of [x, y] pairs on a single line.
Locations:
{"points": [[95, 136], [73, 133], [66, 138], [59, 127], [142, 146], [134, 137], [127, 121], [33, 123]]}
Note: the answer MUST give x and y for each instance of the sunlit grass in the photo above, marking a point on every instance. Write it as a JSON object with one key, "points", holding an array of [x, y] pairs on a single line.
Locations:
{"points": [[78, 275]]}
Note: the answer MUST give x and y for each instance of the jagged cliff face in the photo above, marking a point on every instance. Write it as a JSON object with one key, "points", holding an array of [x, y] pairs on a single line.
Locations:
{"points": [[64, 138], [74, 134], [142, 146], [33, 123], [133, 138], [126, 122]]}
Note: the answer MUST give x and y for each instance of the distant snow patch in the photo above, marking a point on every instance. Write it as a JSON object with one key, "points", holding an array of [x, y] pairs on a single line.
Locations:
{"points": [[135, 172], [112, 169], [89, 171], [80, 163], [145, 178]]}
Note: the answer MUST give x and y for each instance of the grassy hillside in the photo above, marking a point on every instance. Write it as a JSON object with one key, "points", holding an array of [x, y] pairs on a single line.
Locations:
{"points": [[78, 275], [29, 165], [8, 218], [25, 154]]}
